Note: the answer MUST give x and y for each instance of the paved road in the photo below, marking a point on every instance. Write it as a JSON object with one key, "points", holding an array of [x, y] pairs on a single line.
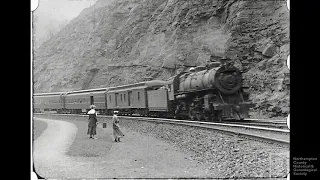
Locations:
{"points": [[136, 156]]}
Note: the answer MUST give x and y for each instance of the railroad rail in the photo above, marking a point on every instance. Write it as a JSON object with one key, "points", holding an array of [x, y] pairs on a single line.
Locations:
{"points": [[281, 124], [272, 135], [255, 132]]}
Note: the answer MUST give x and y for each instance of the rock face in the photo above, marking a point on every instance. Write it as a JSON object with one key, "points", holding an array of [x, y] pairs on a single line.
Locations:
{"points": [[117, 42]]}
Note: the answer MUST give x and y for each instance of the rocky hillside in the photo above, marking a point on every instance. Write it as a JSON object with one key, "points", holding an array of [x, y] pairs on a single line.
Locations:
{"points": [[117, 42]]}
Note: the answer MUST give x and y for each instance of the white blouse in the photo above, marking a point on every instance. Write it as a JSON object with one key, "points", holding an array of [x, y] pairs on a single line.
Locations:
{"points": [[92, 111]]}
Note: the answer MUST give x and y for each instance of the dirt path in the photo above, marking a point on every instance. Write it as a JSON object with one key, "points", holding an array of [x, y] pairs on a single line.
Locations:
{"points": [[136, 156], [50, 147]]}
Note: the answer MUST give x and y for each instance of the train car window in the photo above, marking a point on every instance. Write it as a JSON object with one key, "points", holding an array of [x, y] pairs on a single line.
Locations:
{"points": [[138, 96], [91, 100], [124, 97], [121, 97], [110, 98], [129, 95], [116, 99]]}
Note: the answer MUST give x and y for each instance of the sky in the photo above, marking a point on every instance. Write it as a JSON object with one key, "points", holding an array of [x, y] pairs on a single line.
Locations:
{"points": [[51, 14], [62, 9]]}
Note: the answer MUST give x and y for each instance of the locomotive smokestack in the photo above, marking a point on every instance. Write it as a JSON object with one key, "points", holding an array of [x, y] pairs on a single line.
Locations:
{"points": [[214, 58], [224, 60]]}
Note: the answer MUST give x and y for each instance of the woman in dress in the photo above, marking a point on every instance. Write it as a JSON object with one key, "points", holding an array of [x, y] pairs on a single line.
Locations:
{"points": [[93, 122], [117, 133]]}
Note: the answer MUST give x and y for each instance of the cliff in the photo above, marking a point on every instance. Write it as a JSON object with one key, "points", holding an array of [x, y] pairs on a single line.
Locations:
{"points": [[118, 42]]}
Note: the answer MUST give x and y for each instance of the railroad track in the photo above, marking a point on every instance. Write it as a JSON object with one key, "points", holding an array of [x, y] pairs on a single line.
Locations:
{"points": [[272, 135], [250, 129], [280, 124]]}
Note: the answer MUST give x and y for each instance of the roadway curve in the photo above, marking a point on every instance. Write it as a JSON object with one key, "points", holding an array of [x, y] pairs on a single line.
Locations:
{"points": [[136, 156]]}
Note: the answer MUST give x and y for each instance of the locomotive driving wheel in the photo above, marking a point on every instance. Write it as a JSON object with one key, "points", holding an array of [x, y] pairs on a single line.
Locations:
{"points": [[207, 116], [199, 116], [192, 114], [217, 116]]}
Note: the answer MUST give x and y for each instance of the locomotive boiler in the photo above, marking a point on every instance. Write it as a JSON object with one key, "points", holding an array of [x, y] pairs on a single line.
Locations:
{"points": [[213, 93]]}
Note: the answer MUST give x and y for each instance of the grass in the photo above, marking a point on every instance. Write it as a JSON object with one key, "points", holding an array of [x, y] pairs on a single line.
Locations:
{"points": [[83, 146], [38, 128]]}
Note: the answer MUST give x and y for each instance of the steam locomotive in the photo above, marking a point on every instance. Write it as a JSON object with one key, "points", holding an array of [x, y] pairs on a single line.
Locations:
{"points": [[211, 93]]}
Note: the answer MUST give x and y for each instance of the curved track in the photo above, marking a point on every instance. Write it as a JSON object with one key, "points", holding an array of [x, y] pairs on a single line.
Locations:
{"points": [[273, 135], [255, 129]]}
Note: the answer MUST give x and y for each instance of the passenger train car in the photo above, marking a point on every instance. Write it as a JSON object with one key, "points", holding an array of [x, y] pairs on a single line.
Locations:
{"points": [[79, 101], [48, 102], [211, 93], [133, 98]]}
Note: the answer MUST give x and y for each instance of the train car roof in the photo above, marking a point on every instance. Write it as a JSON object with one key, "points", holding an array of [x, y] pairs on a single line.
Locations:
{"points": [[90, 93], [126, 89], [86, 91], [138, 85], [48, 94]]}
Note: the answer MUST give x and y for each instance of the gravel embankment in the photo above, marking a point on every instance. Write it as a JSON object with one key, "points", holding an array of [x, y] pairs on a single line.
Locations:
{"points": [[234, 157]]}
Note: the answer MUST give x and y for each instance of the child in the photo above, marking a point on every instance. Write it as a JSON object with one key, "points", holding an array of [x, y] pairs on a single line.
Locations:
{"points": [[117, 133]]}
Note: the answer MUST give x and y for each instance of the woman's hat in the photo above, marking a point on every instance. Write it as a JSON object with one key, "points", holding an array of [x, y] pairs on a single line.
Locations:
{"points": [[92, 106], [115, 112]]}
